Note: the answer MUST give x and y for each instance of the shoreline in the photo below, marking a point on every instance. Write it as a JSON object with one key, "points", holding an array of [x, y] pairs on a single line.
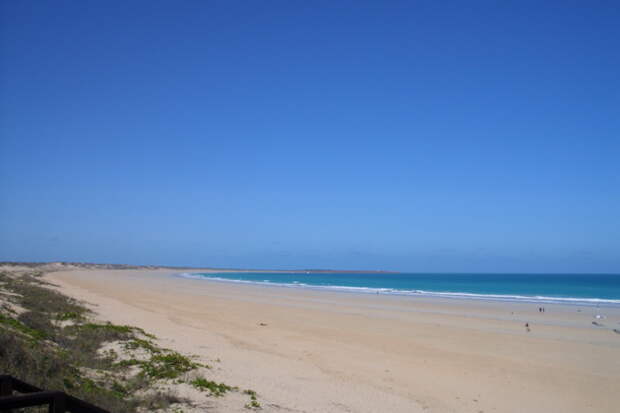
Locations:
{"points": [[576, 301], [317, 351]]}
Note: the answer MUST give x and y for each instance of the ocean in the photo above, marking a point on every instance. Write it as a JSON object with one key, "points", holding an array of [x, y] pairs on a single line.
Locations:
{"points": [[583, 289]]}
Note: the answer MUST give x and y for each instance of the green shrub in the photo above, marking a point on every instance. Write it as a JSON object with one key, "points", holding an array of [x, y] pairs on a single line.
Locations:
{"points": [[136, 343], [18, 326], [168, 366], [39, 322], [43, 366], [216, 389], [70, 315]]}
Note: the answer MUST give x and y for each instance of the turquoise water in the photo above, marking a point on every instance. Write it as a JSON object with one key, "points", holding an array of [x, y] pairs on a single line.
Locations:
{"points": [[592, 289]]}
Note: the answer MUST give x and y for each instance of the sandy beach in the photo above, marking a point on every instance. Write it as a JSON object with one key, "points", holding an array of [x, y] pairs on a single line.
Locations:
{"points": [[317, 351]]}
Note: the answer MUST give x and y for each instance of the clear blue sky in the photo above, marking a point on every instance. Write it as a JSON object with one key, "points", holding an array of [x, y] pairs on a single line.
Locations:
{"points": [[414, 135]]}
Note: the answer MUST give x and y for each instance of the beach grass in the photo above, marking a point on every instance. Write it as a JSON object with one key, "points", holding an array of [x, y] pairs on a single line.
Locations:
{"points": [[54, 342]]}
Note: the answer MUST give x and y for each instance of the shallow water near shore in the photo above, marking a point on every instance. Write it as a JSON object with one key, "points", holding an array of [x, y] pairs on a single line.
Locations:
{"points": [[582, 289]]}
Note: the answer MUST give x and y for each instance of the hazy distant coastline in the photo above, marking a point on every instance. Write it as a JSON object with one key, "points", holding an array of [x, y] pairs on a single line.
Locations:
{"points": [[67, 265]]}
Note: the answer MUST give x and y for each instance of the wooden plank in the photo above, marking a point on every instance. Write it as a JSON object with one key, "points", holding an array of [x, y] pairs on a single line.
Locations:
{"points": [[22, 386], [6, 386], [59, 402], [27, 400]]}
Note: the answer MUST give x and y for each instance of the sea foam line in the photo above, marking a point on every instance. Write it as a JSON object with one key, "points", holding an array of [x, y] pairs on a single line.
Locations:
{"points": [[424, 293]]}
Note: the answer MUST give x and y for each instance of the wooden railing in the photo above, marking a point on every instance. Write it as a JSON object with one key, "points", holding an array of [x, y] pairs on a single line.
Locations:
{"points": [[58, 402]]}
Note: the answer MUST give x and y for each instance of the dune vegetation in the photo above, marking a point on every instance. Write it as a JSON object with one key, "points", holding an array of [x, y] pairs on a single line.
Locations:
{"points": [[57, 343]]}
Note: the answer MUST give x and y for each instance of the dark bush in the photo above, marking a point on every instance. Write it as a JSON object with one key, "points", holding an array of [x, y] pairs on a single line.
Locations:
{"points": [[39, 322]]}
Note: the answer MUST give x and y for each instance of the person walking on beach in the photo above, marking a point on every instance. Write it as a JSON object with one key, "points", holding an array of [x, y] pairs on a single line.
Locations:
{"points": [[527, 327]]}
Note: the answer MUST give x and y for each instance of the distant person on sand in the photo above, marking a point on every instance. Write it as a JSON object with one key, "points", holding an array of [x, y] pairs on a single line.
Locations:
{"points": [[527, 327]]}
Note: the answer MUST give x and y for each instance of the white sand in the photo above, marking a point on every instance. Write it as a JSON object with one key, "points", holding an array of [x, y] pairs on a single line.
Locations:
{"points": [[340, 352]]}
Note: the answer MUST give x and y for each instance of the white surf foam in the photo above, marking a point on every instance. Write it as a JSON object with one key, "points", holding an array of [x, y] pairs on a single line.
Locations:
{"points": [[423, 293]]}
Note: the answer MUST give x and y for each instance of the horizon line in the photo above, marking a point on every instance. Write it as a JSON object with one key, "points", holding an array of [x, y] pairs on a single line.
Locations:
{"points": [[312, 270]]}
